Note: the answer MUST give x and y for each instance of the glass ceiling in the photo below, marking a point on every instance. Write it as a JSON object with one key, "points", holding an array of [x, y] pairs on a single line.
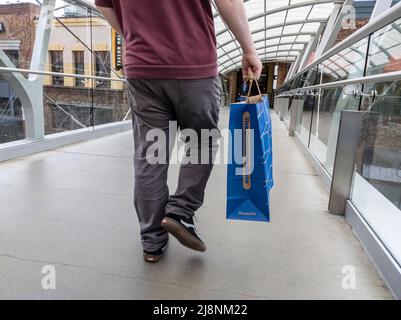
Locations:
{"points": [[280, 29]]}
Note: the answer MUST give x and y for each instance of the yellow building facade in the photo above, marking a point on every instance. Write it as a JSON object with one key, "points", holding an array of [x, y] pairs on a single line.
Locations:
{"points": [[64, 48]]}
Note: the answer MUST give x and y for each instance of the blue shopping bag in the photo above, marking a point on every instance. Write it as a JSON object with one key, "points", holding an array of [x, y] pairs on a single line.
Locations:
{"points": [[250, 168]]}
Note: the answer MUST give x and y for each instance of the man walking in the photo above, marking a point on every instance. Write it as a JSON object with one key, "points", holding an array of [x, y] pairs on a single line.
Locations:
{"points": [[171, 68]]}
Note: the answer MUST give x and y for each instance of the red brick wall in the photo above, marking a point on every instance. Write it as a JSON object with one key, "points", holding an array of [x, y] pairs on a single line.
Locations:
{"points": [[344, 33], [282, 72], [18, 20], [114, 100]]}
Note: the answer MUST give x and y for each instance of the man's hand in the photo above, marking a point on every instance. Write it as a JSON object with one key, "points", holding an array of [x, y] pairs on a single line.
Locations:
{"points": [[234, 14], [251, 66]]}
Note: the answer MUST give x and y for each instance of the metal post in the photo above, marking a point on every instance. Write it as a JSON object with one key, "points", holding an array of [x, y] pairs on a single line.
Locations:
{"points": [[347, 144]]}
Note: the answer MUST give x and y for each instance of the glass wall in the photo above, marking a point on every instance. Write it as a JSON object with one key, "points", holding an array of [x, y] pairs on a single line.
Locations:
{"points": [[347, 64], [309, 102], [86, 46], [377, 187], [385, 50], [376, 190], [81, 43], [11, 115], [380, 159], [377, 184], [326, 121]]}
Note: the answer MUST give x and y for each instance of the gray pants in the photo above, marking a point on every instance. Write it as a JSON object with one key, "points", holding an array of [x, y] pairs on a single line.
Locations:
{"points": [[193, 104]]}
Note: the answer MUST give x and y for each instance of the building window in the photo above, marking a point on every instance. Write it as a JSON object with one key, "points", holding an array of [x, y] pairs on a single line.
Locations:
{"points": [[13, 55], [57, 65], [79, 67], [102, 68]]}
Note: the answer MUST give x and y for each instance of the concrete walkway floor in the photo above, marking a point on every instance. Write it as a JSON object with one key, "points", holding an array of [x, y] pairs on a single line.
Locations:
{"points": [[72, 208]]}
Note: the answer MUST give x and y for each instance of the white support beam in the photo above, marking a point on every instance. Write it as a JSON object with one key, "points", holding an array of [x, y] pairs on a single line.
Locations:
{"points": [[341, 11], [311, 47], [380, 7], [295, 65], [290, 71], [30, 91], [42, 36]]}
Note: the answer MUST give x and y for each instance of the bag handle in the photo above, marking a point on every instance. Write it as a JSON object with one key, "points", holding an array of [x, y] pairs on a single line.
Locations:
{"points": [[252, 81]]}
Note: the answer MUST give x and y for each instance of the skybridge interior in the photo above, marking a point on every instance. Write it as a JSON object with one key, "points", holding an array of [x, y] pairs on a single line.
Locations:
{"points": [[332, 73]]}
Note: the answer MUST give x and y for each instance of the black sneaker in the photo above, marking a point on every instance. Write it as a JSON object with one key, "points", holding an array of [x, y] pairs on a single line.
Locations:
{"points": [[184, 230], [155, 256]]}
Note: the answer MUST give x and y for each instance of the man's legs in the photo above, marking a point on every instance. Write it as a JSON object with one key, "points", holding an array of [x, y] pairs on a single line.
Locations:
{"points": [[195, 105], [198, 109], [151, 110]]}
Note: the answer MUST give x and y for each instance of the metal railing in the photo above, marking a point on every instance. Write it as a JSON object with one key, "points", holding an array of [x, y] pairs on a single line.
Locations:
{"points": [[311, 90], [4, 70], [383, 20]]}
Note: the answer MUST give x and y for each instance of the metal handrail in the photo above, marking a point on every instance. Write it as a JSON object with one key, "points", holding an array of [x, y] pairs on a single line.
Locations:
{"points": [[59, 74], [383, 20], [385, 77]]}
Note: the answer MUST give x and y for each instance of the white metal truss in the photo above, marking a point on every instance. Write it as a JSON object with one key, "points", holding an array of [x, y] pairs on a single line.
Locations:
{"points": [[30, 90], [281, 29]]}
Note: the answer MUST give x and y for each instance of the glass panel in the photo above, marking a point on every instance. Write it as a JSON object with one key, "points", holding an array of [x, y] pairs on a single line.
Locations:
{"points": [[13, 55], [57, 65], [284, 104], [304, 119], [296, 82], [80, 43], [347, 64], [326, 121], [89, 47], [102, 68], [385, 50], [377, 187], [11, 117], [385, 142], [79, 67]]}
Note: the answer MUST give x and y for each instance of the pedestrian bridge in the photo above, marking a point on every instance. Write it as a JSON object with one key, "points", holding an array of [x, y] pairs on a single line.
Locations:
{"points": [[72, 208], [332, 72]]}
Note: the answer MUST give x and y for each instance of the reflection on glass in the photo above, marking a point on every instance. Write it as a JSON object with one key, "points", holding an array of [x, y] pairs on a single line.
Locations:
{"points": [[347, 64], [377, 182], [380, 160], [304, 118], [308, 102], [102, 68], [285, 105], [79, 67], [72, 108], [57, 65], [311, 78], [11, 119], [82, 43], [385, 50], [326, 122], [13, 55]]}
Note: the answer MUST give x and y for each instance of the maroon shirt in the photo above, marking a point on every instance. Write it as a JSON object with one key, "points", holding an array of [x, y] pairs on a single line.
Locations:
{"points": [[167, 39]]}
